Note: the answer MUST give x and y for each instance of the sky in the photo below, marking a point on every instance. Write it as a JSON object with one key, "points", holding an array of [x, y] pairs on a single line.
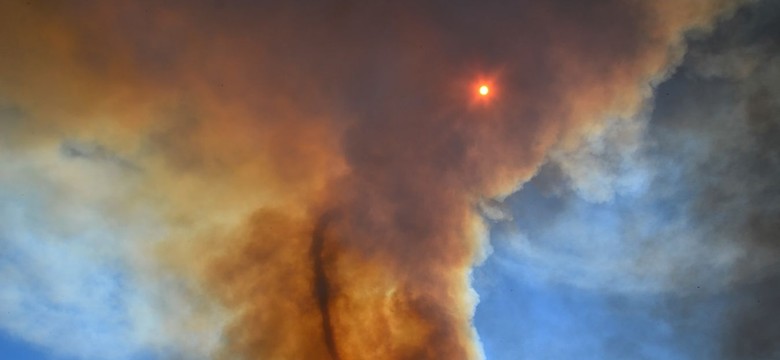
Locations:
{"points": [[326, 180]]}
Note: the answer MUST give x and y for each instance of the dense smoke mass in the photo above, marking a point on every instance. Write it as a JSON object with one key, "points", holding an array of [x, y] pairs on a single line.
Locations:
{"points": [[324, 180]]}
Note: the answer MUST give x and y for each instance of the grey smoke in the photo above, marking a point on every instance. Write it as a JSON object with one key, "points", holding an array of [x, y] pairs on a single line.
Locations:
{"points": [[681, 202]]}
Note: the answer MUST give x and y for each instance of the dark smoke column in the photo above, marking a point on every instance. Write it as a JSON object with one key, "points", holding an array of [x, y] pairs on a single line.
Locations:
{"points": [[321, 283]]}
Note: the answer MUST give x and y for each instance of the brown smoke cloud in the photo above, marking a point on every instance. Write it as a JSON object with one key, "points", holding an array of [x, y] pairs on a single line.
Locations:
{"points": [[348, 130]]}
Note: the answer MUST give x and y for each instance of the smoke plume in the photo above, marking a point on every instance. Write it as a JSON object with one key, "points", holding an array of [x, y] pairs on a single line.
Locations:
{"points": [[319, 166]]}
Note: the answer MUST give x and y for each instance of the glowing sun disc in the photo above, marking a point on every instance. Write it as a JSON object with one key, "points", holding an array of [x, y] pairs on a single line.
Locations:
{"points": [[484, 90]]}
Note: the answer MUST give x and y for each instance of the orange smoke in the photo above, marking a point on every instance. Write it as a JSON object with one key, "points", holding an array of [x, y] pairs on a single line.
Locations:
{"points": [[319, 165]]}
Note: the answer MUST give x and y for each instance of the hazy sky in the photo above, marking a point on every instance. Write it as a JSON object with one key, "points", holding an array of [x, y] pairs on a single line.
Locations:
{"points": [[324, 179]]}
